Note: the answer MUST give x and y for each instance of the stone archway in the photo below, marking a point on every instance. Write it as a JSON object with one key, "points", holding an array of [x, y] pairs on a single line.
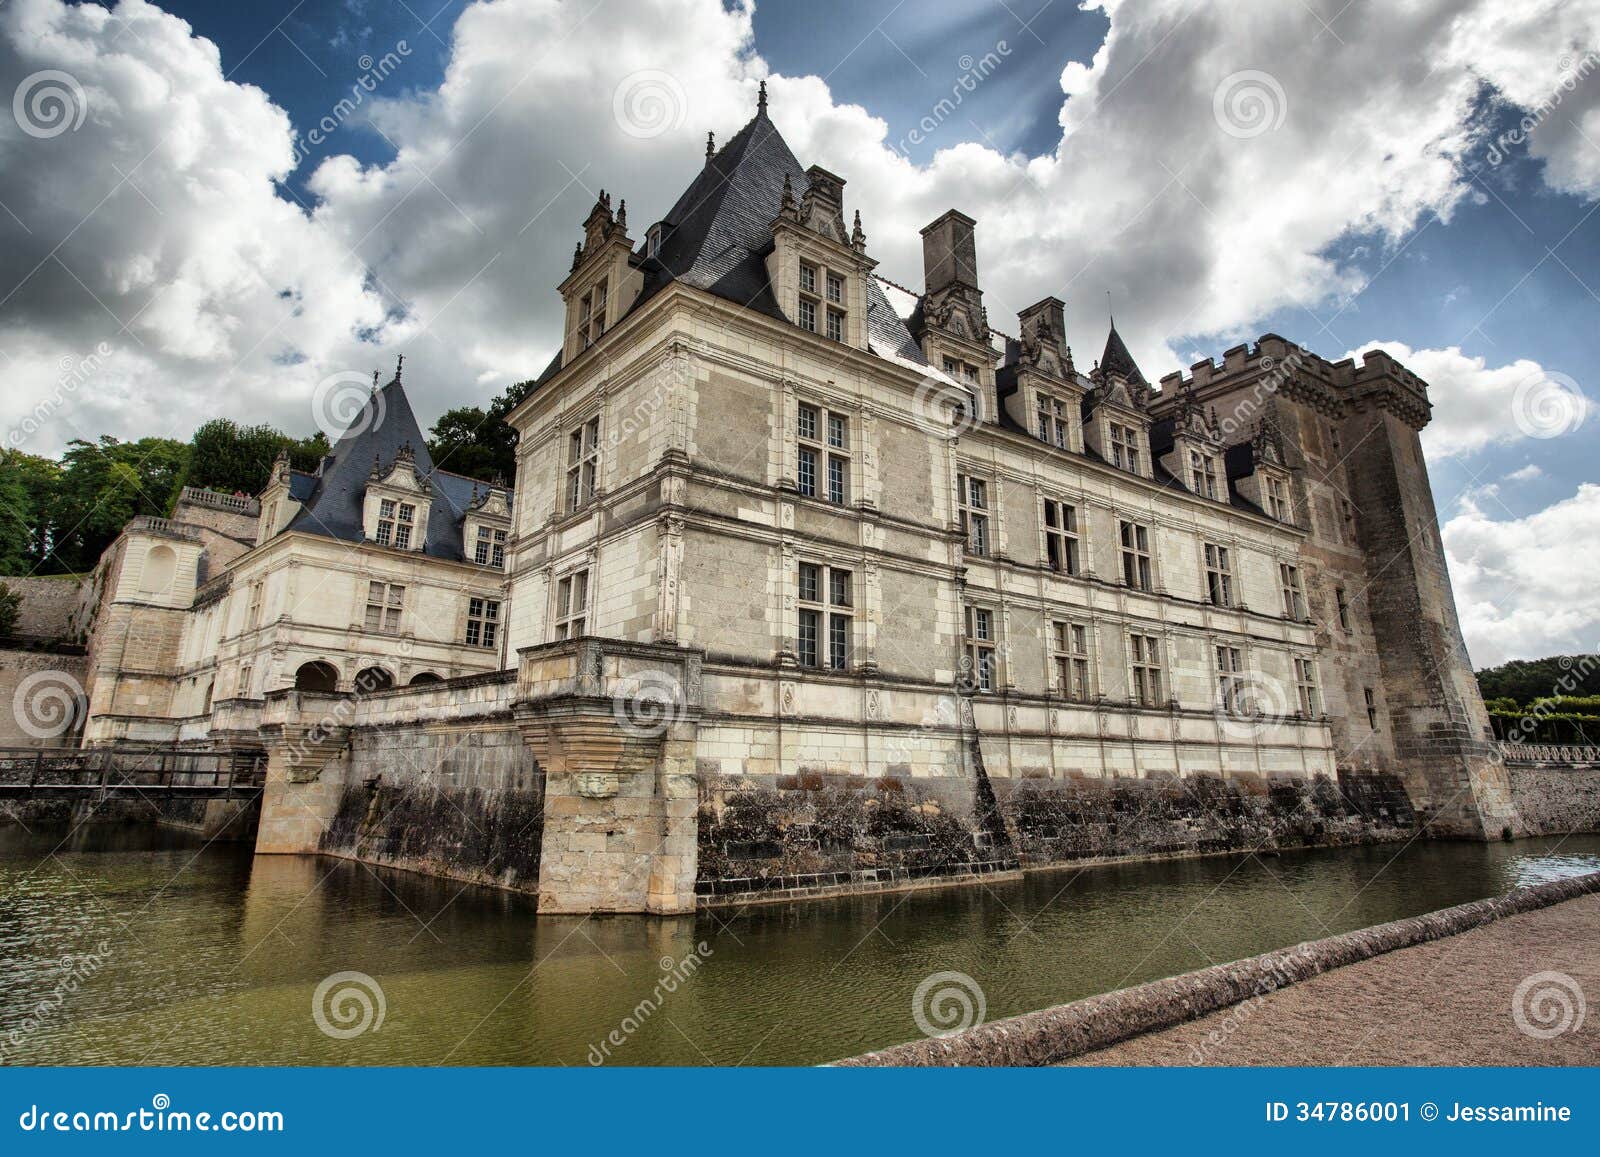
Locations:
{"points": [[370, 679], [317, 676]]}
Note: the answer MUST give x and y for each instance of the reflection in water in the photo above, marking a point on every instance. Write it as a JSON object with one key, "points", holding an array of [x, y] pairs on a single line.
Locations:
{"points": [[212, 955]]}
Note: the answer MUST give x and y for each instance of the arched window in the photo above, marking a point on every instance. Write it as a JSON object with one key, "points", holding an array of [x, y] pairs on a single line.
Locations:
{"points": [[370, 679], [160, 567], [316, 676], [423, 678]]}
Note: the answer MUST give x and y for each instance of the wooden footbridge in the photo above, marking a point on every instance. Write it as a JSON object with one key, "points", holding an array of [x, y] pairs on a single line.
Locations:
{"points": [[142, 773]]}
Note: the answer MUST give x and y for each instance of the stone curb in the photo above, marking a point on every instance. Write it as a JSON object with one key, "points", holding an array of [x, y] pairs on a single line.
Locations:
{"points": [[1056, 1034]]}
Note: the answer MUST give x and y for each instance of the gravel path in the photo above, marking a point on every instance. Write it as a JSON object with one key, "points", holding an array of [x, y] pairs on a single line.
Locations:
{"points": [[1449, 1002]]}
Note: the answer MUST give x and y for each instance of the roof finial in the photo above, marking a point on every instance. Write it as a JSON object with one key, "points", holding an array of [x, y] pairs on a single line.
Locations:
{"points": [[761, 98], [374, 381], [398, 367], [711, 145]]}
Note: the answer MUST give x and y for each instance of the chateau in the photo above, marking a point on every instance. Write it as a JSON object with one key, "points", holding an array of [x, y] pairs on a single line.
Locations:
{"points": [[811, 583]]}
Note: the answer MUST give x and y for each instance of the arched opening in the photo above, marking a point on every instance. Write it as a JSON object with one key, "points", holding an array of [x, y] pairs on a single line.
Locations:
{"points": [[423, 678], [160, 567], [316, 676], [370, 679]]}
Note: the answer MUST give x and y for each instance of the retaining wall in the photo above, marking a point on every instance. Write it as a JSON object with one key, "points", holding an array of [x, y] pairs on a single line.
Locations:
{"points": [[1554, 799]]}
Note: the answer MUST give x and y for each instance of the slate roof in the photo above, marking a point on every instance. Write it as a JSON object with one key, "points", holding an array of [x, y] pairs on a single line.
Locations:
{"points": [[333, 496], [719, 233], [1117, 360]]}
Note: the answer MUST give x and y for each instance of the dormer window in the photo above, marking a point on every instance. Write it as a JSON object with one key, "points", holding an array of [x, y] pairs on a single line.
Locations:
{"points": [[1278, 499], [490, 549], [396, 523], [1053, 425], [652, 240], [821, 305], [592, 314], [1202, 474], [1124, 448], [963, 371]]}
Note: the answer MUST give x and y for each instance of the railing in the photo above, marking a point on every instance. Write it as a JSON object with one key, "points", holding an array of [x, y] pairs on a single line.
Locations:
{"points": [[1550, 753], [150, 524], [220, 501], [130, 771]]}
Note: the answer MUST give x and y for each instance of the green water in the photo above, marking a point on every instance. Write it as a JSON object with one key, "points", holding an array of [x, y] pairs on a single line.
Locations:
{"points": [[211, 956]]}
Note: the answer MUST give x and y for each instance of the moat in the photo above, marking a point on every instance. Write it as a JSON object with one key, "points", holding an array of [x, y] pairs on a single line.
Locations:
{"points": [[210, 955]]}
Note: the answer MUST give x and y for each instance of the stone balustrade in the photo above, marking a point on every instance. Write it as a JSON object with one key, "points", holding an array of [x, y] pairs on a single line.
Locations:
{"points": [[1550, 753]]}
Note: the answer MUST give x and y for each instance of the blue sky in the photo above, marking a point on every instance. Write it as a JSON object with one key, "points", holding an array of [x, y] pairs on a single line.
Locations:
{"points": [[170, 239]]}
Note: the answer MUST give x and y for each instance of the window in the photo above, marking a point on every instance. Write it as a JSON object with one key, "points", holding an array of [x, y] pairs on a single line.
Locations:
{"points": [[1136, 555], [583, 461], [592, 315], [385, 601], [960, 370], [980, 652], [1219, 576], [1053, 424], [1305, 678], [808, 278], [833, 457], [1372, 708], [1278, 500], [973, 513], [490, 549], [808, 314], [1202, 474], [1124, 448], [835, 325], [835, 288], [1230, 682], [1349, 514], [1294, 595], [396, 522], [572, 601], [835, 615], [242, 689], [1061, 536], [255, 604], [1342, 605], [483, 622], [1071, 645], [1144, 664]]}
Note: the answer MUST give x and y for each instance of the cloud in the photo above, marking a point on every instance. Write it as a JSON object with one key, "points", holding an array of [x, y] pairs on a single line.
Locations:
{"points": [[1476, 405], [1524, 473], [1524, 586], [218, 293]]}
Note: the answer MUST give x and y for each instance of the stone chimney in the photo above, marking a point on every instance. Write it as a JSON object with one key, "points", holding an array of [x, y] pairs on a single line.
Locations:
{"points": [[949, 253]]}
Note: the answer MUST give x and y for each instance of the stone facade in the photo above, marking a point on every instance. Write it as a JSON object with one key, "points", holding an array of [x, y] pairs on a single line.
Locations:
{"points": [[812, 583]]}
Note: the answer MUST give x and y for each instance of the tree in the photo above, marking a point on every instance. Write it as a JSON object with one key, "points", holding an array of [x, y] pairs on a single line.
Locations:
{"points": [[10, 608], [1527, 680], [478, 442], [102, 485], [233, 458], [28, 512]]}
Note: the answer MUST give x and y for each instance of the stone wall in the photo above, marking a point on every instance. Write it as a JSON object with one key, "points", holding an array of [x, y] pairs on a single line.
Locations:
{"points": [[38, 690], [1554, 799], [47, 606], [777, 837]]}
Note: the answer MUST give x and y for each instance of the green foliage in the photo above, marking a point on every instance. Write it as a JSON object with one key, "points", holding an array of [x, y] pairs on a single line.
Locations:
{"points": [[10, 608], [1524, 680], [238, 459], [102, 485], [28, 515], [477, 442]]}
